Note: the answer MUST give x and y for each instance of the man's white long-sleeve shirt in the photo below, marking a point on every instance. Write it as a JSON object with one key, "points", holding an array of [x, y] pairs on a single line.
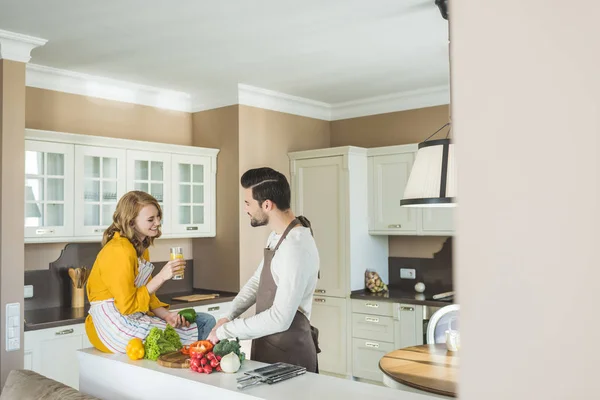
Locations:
{"points": [[295, 269]]}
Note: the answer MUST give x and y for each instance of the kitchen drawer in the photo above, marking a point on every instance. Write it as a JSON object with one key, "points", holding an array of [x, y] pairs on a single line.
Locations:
{"points": [[375, 307], [365, 358], [217, 310], [374, 327]]}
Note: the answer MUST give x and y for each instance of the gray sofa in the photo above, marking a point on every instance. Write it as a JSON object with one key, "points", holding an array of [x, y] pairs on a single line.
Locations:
{"points": [[29, 385]]}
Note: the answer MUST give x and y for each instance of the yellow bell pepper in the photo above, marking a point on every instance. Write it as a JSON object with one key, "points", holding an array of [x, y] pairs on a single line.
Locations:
{"points": [[135, 349]]}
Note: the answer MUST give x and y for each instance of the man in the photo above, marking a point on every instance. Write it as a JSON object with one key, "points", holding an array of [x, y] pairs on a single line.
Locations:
{"points": [[283, 285]]}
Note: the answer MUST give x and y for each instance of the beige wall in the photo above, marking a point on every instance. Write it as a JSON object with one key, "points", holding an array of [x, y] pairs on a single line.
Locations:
{"points": [[526, 109], [402, 127], [217, 259], [65, 112], [12, 171], [265, 139]]}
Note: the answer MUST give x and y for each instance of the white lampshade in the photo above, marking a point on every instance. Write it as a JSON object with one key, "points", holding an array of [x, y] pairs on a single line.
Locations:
{"points": [[432, 180]]}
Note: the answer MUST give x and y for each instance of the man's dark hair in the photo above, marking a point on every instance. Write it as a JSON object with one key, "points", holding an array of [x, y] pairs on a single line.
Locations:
{"points": [[268, 184]]}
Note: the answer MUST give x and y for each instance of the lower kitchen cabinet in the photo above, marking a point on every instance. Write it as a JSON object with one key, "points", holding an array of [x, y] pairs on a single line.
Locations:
{"points": [[329, 317], [379, 327], [218, 310], [53, 352]]}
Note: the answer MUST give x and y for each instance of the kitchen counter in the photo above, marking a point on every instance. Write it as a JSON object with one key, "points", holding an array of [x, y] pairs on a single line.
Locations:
{"points": [[400, 296], [114, 376], [60, 316]]}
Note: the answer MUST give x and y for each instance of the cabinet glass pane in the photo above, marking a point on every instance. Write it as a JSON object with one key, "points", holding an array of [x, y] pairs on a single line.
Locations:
{"points": [[184, 194], [141, 170], [198, 194], [34, 163], [92, 191], [34, 189], [91, 215], [156, 190], [185, 215], [109, 168], [143, 186], [184, 173], [55, 214], [107, 213], [109, 190], [198, 213], [55, 189], [198, 174], [156, 170], [34, 214], [91, 167], [55, 163]]}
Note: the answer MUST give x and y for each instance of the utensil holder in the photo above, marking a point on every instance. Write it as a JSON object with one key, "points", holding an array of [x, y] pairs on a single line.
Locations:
{"points": [[77, 297]]}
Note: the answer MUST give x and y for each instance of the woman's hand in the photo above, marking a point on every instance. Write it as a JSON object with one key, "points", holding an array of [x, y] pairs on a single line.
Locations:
{"points": [[176, 320], [172, 268]]}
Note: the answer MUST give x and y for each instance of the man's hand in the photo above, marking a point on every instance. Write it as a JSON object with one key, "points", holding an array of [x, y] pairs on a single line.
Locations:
{"points": [[212, 336]]}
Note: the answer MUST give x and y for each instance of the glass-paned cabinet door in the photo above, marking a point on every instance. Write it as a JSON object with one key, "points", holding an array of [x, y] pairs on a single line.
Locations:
{"points": [[192, 194], [150, 172], [48, 189], [99, 184]]}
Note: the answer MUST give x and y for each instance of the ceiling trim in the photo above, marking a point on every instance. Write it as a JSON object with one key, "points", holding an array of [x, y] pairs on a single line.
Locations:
{"points": [[427, 97], [271, 100], [60, 80], [17, 47]]}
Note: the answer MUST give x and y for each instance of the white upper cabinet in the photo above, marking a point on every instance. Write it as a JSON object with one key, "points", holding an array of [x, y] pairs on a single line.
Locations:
{"points": [[99, 184], [150, 172], [193, 180], [73, 183], [389, 169], [48, 190]]}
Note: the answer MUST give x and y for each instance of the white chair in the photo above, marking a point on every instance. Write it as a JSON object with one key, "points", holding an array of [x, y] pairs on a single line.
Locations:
{"points": [[446, 318]]}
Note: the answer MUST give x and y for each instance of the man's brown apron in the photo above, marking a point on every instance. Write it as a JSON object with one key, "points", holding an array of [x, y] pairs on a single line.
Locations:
{"points": [[299, 344]]}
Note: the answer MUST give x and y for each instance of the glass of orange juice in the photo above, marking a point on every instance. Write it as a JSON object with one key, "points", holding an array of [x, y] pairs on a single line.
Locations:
{"points": [[177, 252]]}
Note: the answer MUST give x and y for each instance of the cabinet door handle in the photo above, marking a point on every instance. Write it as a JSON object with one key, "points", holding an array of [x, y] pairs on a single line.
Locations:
{"points": [[372, 345], [372, 319], [98, 230], [404, 308], [372, 305], [43, 231], [394, 226], [319, 300], [65, 332], [321, 291], [191, 228], [215, 308]]}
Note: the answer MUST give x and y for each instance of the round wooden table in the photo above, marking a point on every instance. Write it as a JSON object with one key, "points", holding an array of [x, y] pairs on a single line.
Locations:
{"points": [[430, 367]]}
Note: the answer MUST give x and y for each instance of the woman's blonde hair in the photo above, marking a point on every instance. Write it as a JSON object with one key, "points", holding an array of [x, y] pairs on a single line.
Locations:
{"points": [[128, 208]]}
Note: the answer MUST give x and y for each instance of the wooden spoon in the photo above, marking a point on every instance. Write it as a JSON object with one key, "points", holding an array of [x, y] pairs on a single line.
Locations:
{"points": [[73, 275]]}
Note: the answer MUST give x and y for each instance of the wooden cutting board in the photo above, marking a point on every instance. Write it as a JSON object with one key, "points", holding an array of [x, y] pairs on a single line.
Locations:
{"points": [[174, 360], [196, 297]]}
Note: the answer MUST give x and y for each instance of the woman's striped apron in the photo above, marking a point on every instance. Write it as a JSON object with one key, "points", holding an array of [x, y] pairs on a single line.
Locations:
{"points": [[115, 330]]}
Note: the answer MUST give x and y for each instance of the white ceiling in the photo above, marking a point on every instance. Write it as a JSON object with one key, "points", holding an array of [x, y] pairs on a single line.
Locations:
{"points": [[326, 50]]}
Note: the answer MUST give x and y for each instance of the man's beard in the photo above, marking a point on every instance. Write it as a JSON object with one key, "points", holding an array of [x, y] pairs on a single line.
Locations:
{"points": [[260, 220]]}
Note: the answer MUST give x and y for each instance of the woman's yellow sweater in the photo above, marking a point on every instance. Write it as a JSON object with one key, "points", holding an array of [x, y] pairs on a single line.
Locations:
{"points": [[112, 277]]}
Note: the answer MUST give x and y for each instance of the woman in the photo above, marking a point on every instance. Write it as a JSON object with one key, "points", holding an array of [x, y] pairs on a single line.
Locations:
{"points": [[120, 287]]}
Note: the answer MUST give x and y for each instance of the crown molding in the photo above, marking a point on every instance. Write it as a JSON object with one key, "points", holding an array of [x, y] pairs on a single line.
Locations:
{"points": [[17, 47], [210, 101], [427, 97], [271, 100], [60, 80]]}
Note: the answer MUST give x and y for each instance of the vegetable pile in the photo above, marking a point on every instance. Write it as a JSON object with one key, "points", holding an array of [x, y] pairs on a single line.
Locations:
{"points": [[159, 342], [227, 346], [205, 363], [226, 356]]}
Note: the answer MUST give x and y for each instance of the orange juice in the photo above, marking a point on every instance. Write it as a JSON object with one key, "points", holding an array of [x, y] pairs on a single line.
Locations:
{"points": [[177, 252]]}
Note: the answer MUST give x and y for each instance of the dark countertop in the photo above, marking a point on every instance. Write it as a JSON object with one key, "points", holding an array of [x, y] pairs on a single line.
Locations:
{"points": [[400, 296], [60, 316]]}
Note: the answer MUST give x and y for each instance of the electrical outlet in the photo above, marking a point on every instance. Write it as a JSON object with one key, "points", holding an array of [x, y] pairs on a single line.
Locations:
{"points": [[28, 291], [406, 273]]}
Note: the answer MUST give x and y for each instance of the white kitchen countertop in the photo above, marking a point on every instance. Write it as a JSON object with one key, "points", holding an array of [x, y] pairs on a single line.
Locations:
{"points": [[115, 377]]}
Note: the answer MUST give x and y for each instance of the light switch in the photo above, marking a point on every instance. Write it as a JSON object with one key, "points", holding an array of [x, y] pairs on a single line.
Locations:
{"points": [[13, 316], [28, 291]]}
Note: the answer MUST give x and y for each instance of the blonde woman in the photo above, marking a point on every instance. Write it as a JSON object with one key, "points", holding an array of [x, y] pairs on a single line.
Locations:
{"points": [[123, 303]]}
